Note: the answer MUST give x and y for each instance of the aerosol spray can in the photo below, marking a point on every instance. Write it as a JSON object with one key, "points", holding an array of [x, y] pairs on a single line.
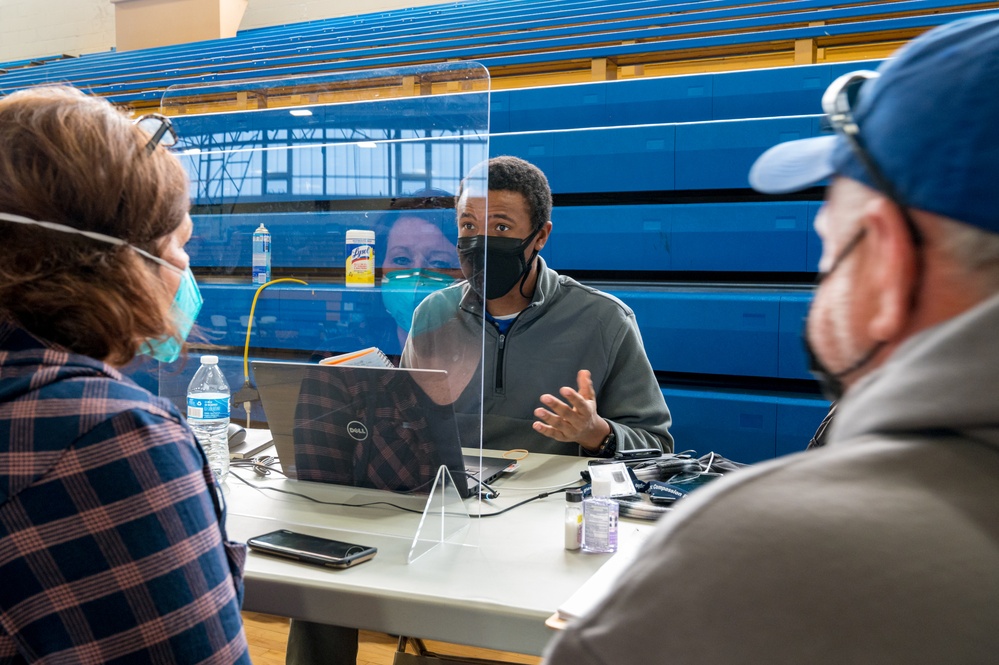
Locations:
{"points": [[261, 255]]}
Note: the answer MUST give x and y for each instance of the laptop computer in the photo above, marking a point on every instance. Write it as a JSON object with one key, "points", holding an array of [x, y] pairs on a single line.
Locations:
{"points": [[378, 427]]}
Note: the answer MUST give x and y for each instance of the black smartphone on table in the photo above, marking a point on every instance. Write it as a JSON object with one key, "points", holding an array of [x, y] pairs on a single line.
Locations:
{"points": [[635, 455], [311, 549]]}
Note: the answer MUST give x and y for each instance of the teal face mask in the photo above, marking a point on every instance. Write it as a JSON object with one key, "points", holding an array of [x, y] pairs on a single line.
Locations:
{"points": [[403, 290], [186, 304], [184, 310]]}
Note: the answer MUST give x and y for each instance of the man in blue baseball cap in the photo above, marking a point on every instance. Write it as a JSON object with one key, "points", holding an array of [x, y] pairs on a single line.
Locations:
{"points": [[882, 546]]}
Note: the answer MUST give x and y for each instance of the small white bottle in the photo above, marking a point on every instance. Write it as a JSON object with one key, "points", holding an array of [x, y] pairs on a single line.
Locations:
{"points": [[208, 414], [261, 255], [600, 519], [573, 519]]}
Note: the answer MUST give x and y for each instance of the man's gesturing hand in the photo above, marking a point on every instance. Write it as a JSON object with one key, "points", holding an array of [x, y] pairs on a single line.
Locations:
{"points": [[574, 419]]}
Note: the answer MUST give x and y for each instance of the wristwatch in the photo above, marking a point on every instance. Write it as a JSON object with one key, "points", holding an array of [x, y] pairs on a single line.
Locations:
{"points": [[608, 446]]}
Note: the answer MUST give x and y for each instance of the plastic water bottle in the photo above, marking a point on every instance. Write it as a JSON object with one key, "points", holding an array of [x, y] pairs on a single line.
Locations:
{"points": [[600, 518], [208, 414], [261, 255]]}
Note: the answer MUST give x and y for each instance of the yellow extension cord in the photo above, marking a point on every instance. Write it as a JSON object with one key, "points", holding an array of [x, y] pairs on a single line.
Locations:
{"points": [[249, 327]]}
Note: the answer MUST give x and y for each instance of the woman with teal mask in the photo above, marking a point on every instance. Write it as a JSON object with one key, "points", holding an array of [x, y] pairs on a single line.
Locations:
{"points": [[416, 245], [106, 499], [419, 254]]}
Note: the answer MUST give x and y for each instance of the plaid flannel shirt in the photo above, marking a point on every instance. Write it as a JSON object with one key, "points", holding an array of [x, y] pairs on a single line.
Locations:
{"points": [[112, 542]]}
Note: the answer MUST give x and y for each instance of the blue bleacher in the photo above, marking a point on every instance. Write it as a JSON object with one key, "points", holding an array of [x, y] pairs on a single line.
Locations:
{"points": [[714, 332], [759, 93], [765, 93], [13, 65], [575, 50], [750, 237], [649, 177], [736, 43], [701, 155], [143, 75], [742, 425], [478, 24], [709, 237]]}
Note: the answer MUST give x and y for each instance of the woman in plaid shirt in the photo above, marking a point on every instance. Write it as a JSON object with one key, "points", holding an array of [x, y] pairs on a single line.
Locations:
{"points": [[112, 539]]}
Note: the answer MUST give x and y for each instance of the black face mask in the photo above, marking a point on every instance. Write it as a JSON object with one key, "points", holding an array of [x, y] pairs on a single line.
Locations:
{"points": [[505, 258], [832, 382]]}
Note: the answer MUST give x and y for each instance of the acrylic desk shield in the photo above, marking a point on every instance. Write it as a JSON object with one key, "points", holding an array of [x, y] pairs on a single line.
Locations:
{"points": [[311, 158]]}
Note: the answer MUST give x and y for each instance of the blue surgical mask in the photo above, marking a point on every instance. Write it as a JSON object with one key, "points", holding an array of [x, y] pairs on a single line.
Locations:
{"points": [[186, 304], [184, 310], [403, 290]]}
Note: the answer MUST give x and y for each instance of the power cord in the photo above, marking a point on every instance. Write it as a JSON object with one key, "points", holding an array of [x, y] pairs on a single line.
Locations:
{"points": [[543, 495], [263, 467], [247, 394], [320, 501]]}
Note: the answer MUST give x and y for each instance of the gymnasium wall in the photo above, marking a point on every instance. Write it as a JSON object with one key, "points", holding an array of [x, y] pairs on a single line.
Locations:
{"points": [[40, 28]]}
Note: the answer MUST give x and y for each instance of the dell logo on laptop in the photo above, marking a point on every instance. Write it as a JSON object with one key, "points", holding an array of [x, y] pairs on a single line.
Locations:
{"points": [[357, 430]]}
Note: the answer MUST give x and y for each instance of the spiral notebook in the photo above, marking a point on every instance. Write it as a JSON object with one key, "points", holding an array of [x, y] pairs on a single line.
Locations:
{"points": [[600, 585], [369, 357]]}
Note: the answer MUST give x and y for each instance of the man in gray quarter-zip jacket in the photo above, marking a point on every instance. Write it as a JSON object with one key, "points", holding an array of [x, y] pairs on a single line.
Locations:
{"points": [[564, 369]]}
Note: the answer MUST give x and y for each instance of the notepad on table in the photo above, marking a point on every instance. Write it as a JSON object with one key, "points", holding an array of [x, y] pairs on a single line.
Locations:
{"points": [[595, 589], [369, 357]]}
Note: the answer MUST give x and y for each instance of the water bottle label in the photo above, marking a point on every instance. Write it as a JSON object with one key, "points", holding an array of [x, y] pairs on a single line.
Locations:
{"points": [[206, 408]]}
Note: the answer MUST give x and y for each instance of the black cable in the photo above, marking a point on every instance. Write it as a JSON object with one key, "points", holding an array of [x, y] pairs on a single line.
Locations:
{"points": [[264, 469], [516, 505], [325, 503], [533, 498]]}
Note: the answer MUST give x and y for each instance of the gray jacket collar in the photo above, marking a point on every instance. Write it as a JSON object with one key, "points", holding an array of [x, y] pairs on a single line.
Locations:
{"points": [[944, 378]]}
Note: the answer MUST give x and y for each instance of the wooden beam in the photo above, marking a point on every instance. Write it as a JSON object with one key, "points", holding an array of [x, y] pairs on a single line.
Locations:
{"points": [[804, 52], [603, 69]]}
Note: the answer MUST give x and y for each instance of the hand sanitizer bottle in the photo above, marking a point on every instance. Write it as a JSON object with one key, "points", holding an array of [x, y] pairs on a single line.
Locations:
{"points": [[600, 519]]}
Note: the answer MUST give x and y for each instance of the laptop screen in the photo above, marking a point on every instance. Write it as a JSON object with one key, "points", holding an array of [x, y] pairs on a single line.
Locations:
{"points": [[381, 428]]}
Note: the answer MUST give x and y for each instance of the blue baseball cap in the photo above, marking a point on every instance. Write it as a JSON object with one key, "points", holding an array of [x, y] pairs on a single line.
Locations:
{"points": [[930, 122]]}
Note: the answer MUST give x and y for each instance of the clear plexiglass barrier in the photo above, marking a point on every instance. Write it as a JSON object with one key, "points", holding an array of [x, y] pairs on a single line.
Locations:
{"points": [[325, 248]]}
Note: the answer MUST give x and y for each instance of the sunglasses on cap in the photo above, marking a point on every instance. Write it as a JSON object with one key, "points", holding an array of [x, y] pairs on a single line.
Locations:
{"points": [[838, 103]]}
